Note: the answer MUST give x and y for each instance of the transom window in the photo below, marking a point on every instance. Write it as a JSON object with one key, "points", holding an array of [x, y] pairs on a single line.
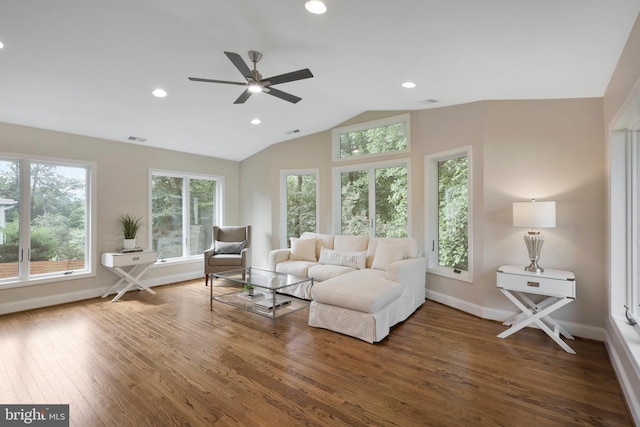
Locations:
{"points": [[384, 136]]}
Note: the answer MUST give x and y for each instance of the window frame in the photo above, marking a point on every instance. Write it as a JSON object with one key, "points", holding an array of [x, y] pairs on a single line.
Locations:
{"points": [[336, 132], [370, 167], [91, 167], [186, 209], [431, 212], [284, 174]]}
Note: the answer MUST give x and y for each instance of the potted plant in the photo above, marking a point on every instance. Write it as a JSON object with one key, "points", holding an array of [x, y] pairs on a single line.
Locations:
{"points": [[130, 226], [248, 289]]}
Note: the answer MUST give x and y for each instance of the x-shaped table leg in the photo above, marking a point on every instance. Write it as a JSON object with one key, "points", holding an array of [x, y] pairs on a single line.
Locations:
{"points": [[538, 314], [132, 280]]}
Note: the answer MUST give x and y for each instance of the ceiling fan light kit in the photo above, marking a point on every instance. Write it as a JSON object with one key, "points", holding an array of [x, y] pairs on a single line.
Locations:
{"points": [[255, 83], [315, 6]]}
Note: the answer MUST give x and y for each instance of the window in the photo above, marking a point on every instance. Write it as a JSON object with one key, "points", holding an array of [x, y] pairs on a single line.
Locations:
{"points": [[184, 209], [385, 136], [372, 199], [298, 203], [627, 153], [45, 218], [449, 207]]}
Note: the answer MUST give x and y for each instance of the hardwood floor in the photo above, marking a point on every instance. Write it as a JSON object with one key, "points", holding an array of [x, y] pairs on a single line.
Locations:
{"points": [[165, 359]]}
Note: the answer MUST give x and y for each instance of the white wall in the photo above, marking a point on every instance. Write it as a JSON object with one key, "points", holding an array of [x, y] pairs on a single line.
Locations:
{"points": [[548, 149], [122, 187]]}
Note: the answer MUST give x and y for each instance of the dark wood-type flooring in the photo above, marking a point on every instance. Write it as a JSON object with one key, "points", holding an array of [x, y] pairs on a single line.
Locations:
{"points": [[165, 359]]}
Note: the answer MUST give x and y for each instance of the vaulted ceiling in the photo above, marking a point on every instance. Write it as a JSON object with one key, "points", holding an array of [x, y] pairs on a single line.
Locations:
{"points": [[89, 66]]}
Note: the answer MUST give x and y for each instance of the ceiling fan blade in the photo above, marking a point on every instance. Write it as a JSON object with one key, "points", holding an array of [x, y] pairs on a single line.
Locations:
{"points": [[289, 77], [240, 64], [242, 98], [197, 79], [282, 95]]}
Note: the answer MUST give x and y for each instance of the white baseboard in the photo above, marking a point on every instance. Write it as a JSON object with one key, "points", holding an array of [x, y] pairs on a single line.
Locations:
{"points": [[579, 330], [39, 302]]}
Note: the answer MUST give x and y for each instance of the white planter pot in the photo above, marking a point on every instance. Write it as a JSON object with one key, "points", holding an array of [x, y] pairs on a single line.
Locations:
{"points": [[129, 243]]}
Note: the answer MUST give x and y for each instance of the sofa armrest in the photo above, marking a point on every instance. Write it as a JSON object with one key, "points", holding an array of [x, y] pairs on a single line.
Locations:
{"points": [[410, 271], [277, 256]]}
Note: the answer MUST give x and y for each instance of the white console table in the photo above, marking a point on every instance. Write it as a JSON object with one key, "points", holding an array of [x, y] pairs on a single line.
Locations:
{"points": [[559, 288], [139, 263]]}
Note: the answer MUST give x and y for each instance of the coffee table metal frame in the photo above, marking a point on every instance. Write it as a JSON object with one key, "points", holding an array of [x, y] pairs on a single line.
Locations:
{"points": [[265, 282]]}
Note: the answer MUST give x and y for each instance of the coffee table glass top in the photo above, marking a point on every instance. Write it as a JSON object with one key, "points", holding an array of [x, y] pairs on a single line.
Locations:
{"points": [[266, 301], [261, 278]]}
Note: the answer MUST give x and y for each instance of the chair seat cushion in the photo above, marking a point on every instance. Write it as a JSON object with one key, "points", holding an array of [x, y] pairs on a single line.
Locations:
{"points": [[362, 290], [225, 259]]}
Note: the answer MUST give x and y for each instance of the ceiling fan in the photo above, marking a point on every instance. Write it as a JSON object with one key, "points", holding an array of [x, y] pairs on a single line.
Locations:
{"points": [[255, 83]]}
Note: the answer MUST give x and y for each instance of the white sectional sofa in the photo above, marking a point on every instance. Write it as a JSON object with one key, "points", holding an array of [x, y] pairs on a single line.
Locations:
{"points": [[362, 286]]}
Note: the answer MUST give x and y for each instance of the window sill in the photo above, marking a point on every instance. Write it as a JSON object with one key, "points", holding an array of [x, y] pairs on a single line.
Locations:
{"points": [[177, 261], [630, 340], [45, 280], [464, 276]]}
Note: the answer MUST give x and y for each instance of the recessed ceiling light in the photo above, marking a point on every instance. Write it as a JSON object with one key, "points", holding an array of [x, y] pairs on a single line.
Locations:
{"points": [[409, 85], [1, 45], [256, 121], [315, 6], [160, 93]]}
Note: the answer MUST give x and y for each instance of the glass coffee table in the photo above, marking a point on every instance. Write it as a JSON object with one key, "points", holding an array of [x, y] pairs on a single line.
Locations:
{"points": [[266, 300]]}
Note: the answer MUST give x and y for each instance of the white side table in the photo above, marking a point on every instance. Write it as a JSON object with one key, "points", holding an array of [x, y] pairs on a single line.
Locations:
{"points": [[558, 286], [140, 263]]}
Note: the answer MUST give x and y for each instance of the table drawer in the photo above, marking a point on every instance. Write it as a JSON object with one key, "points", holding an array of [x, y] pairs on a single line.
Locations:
{"points": [[122, 260], [537, 285]]}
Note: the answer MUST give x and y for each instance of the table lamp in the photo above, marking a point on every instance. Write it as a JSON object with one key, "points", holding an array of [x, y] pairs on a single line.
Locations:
{"points": [[534, 215]]}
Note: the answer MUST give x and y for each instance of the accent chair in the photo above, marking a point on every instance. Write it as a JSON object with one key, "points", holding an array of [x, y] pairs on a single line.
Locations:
{"points": [[229, 250]]}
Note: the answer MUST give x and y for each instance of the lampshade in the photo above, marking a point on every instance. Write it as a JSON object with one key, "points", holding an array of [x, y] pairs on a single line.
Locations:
{"points": [[534, 214]]}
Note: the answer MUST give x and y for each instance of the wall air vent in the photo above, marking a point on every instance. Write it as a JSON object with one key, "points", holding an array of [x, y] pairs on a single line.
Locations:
{"points": [[137, 139]]}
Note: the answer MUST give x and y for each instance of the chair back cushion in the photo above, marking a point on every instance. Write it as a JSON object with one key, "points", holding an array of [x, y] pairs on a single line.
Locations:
{"points": [[230, 234]]}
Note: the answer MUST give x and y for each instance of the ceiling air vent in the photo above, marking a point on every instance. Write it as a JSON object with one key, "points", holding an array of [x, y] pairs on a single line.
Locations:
{"points": [[291, 132], [137, 139]]}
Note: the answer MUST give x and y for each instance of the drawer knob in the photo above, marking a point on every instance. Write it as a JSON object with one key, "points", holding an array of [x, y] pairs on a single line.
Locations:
{"points": [[533, 284]]}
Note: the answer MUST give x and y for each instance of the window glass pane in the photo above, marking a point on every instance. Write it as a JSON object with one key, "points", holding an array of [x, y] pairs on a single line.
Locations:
{"points": [[354, 202], [9, 218], [391, 202], [166, 200], [382, 139], [203, 206], [301, 205], [57, 218], [453, 208]]}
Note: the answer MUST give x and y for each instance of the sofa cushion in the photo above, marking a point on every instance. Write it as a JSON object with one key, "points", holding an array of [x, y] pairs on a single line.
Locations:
{"points": [[386, 253], [303, 249], [410, 248], [322, 241], [348, 259], [351, 243], [296, 268], [322, 272], [363, 290]]}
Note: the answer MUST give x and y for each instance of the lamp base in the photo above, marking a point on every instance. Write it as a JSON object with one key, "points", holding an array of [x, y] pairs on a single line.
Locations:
{"points": [[534, 241], [534, 267]]}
